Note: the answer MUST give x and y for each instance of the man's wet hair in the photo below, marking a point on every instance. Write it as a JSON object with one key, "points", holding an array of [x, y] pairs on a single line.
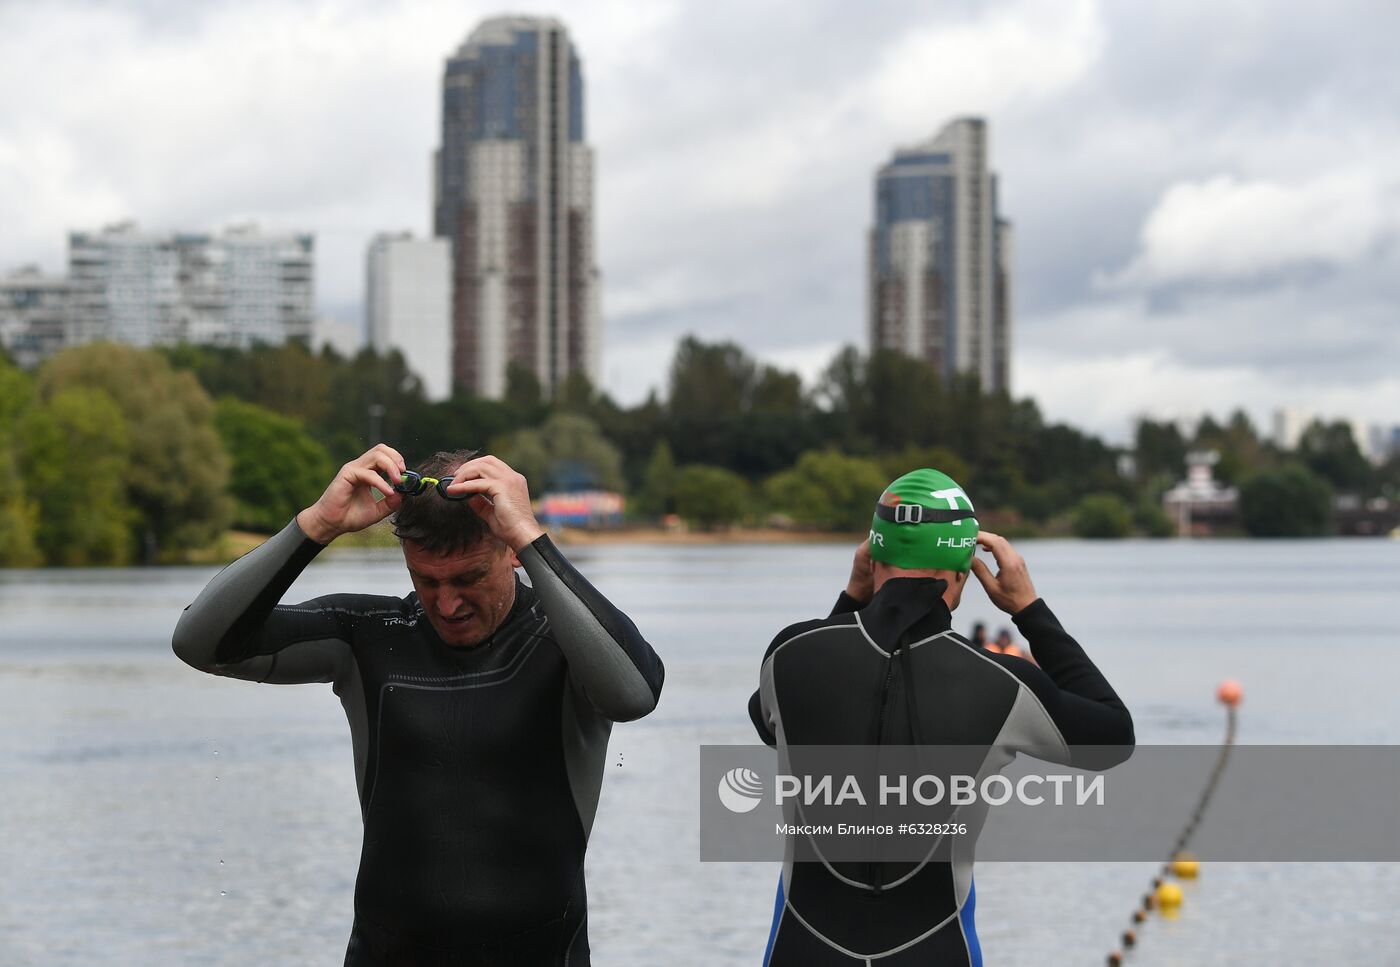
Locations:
{"points": [[440, 526]]}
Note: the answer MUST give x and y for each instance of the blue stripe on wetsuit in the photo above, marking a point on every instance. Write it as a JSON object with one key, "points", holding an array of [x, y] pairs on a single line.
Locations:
{"points": [[773, 930], [969, 928]]}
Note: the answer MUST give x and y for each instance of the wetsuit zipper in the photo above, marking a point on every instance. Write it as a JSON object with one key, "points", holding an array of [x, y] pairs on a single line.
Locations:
{"points": [[875, 873]]}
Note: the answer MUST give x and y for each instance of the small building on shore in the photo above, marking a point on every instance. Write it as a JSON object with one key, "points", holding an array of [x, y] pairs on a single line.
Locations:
{"points": [[1354, 516], [1200, 505]]}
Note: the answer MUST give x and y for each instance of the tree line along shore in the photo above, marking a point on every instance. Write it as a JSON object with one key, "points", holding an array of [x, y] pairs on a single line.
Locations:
{"points": [[118, 455]]}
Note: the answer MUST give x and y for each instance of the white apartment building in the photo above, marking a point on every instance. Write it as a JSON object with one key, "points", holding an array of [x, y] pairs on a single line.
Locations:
{"points": [[408, 301], [34, 315], [236, 289]]}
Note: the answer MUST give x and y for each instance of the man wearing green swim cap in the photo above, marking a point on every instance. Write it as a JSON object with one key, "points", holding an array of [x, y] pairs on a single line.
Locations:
{"points": [[924, 521], [889, 638]]}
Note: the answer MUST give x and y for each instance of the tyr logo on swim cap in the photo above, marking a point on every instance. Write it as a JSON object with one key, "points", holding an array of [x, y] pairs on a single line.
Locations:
{"points": [[924, 520]]}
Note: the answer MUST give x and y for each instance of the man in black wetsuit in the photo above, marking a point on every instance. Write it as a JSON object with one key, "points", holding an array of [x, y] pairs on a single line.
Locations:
{"points": [[885, 669], [479, 706]]}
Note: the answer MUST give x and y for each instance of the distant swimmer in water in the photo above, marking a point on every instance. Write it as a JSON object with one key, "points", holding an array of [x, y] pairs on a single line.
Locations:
{"points": [[1006, 645]]}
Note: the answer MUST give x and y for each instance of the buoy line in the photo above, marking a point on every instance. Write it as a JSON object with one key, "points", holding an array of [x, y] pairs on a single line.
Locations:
{"points": [[1165, 895]]}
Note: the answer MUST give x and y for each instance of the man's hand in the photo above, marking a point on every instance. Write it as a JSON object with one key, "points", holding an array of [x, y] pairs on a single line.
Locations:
{"points": [[1010, 588], [502, 499], [349, 503], [861, 584]]}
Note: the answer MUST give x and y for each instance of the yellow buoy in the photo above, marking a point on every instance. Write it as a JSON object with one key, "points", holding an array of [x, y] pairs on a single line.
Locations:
{"points": [[1185, 867], [1168, 896]]}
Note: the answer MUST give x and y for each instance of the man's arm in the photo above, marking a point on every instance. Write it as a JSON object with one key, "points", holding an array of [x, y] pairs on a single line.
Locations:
{"points": [[235, 628], [609, 660], [1079, 699], [1074, 693]]}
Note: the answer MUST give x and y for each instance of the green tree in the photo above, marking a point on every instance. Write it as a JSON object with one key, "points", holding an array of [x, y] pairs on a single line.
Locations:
{"points": [[277, 467], [887, 401], [711, 497], [1159, 449], [565, 452], [177, 471], [710, 380], [726, 409], [576, 393], [828, 490], [523, 391], [657, 494], [287, 379], [16, 395], [18, 526], [1330, 451], [76, 455], [1102, 515], [371, 399], [1241, 451], [1288, 502], [1151, 519], [462, 422], [935, 458], [19, 513]]}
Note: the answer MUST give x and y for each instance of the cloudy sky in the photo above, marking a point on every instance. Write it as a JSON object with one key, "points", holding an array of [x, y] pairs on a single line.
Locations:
{"points": [[1206, 195]]}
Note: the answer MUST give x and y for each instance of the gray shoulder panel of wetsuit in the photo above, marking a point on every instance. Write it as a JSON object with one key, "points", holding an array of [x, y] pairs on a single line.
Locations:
{"points": [[609, 661], [235, 628]]}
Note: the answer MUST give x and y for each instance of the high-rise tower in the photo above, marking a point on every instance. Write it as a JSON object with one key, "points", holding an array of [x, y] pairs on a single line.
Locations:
{"points": [[513, 192], [940, 257]]}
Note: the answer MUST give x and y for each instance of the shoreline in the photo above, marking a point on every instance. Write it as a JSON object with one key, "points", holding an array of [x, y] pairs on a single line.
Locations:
{"points": [[662, 535], [235, 543]]}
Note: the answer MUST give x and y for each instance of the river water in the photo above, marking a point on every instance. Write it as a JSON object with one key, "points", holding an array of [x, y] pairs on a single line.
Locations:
{"points": [[156, 816]]}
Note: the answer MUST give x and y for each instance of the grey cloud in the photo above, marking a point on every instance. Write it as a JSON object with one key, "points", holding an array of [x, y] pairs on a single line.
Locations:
{"points": [[735, 158]]}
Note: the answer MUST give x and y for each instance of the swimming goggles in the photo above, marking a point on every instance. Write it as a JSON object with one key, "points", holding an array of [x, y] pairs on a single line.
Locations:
{"points": [[414, 484]]}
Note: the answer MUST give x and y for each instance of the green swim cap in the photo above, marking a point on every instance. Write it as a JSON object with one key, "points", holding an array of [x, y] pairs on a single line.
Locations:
{"points": [[924, 520]]}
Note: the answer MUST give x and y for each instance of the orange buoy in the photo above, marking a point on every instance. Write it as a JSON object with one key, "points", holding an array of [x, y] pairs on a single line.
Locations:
{"points": [[1229, 693]]}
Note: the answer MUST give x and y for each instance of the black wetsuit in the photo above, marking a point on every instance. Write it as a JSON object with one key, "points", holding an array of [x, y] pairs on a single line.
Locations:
{"points": [[846, 680], [478, 768]]}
